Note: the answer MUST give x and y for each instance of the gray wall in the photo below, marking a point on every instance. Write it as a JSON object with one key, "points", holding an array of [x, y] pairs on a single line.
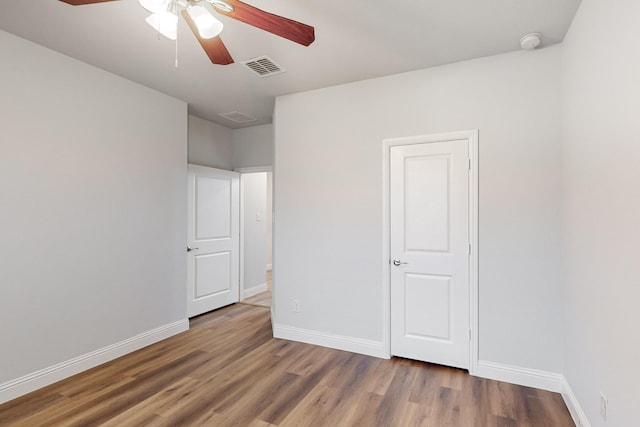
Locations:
{"points": [[93, 189], [210, 144], [253, 146], [216, 146], [601, 158], [328, 198]]}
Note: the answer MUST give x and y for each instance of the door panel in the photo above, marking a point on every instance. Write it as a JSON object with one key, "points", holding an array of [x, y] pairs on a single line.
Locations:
{"points": [[213, 206], [213, 233], [429, 214], [213, 274], [427, 203], [427, 306]]}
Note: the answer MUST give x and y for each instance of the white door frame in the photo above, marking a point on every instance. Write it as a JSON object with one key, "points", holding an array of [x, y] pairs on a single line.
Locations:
{"points": [[252, 169], [472, 137]]}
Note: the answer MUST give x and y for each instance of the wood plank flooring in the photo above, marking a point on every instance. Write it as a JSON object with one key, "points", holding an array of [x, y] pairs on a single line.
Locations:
{"points": [[227, 370], [262, 299]]}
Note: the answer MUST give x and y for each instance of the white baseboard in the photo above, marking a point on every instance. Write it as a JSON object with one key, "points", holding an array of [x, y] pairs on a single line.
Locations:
{"points": [[538, 379], [246, 293], [544, 380], [31, 382], [354, 345], [578, 415]]}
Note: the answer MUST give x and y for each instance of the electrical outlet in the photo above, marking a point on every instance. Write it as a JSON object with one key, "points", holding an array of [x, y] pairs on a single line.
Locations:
{"points": [[603, 406], [295, 305]]}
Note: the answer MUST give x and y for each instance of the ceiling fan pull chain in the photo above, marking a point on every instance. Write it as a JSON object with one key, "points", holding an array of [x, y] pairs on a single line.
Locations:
{"points": [[176, 63]]}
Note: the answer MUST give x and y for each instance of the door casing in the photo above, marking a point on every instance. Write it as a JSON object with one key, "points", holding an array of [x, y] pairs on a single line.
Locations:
{"points": [[472, 137]]}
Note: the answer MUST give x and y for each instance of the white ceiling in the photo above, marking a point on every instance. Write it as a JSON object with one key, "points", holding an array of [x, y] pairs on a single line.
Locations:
{"points": [[355, 40]]}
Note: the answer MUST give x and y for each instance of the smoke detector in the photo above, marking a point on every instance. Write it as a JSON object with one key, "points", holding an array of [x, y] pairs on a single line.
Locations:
{"points": [[530, 41]]}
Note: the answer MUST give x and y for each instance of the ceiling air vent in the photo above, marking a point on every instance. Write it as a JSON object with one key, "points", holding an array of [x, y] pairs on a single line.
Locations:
{"points": [[263, 66], [238, 117]]}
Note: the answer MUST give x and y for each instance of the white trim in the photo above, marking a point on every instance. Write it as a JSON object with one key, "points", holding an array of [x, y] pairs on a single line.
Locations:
{"points": [[578, 415], [254, 169], [340, 342], [474, 304], [241, 243], [534, 378], [472, 136], [31, 382], [204, 169], [254, 290], [386, 250]]}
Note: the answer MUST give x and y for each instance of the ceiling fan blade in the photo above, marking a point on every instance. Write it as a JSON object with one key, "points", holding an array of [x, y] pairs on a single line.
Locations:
{"points": [[82, 2], [289, 29], [214, 47]]}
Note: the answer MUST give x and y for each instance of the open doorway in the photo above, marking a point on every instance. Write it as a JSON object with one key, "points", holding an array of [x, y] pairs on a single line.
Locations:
{"points": [[256, 231]]}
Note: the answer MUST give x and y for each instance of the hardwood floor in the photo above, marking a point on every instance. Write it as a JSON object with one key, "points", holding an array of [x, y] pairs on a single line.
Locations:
{"points": [[262, 299], [227, 370]]}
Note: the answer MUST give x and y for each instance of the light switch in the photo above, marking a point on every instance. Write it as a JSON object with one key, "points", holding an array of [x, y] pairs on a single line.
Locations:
{"points": [[258, 216]]}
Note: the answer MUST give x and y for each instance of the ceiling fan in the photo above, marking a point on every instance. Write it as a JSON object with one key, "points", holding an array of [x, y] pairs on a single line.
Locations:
{"points": [[206, 28]]}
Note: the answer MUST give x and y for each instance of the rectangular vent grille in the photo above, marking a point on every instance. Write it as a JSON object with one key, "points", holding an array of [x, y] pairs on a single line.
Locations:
{"points": [[263, 66], [238, 117]]}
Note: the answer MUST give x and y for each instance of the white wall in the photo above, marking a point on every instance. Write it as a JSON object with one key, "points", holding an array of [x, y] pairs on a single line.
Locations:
{"points": [[601, 157], [93, 196], [210, 144], [254, 228], [328, 198], [253, 146]]}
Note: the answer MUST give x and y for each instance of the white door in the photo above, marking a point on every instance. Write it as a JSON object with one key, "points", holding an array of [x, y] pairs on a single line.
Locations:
{"points": [[213, 239], [429, 248]]}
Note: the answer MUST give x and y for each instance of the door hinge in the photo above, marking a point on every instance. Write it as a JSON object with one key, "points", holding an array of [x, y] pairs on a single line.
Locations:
{"points": [[469, 164], [469, 334], [469, 248]]}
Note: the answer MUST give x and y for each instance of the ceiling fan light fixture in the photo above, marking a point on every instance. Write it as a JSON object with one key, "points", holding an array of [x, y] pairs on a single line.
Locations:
{"points": [[155, 6], [166, 23], [221, 5], [208, 25]]}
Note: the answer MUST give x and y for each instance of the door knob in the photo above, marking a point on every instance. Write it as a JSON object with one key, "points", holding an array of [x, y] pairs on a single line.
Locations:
{"points": [[189, 249], [398, 263]]}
